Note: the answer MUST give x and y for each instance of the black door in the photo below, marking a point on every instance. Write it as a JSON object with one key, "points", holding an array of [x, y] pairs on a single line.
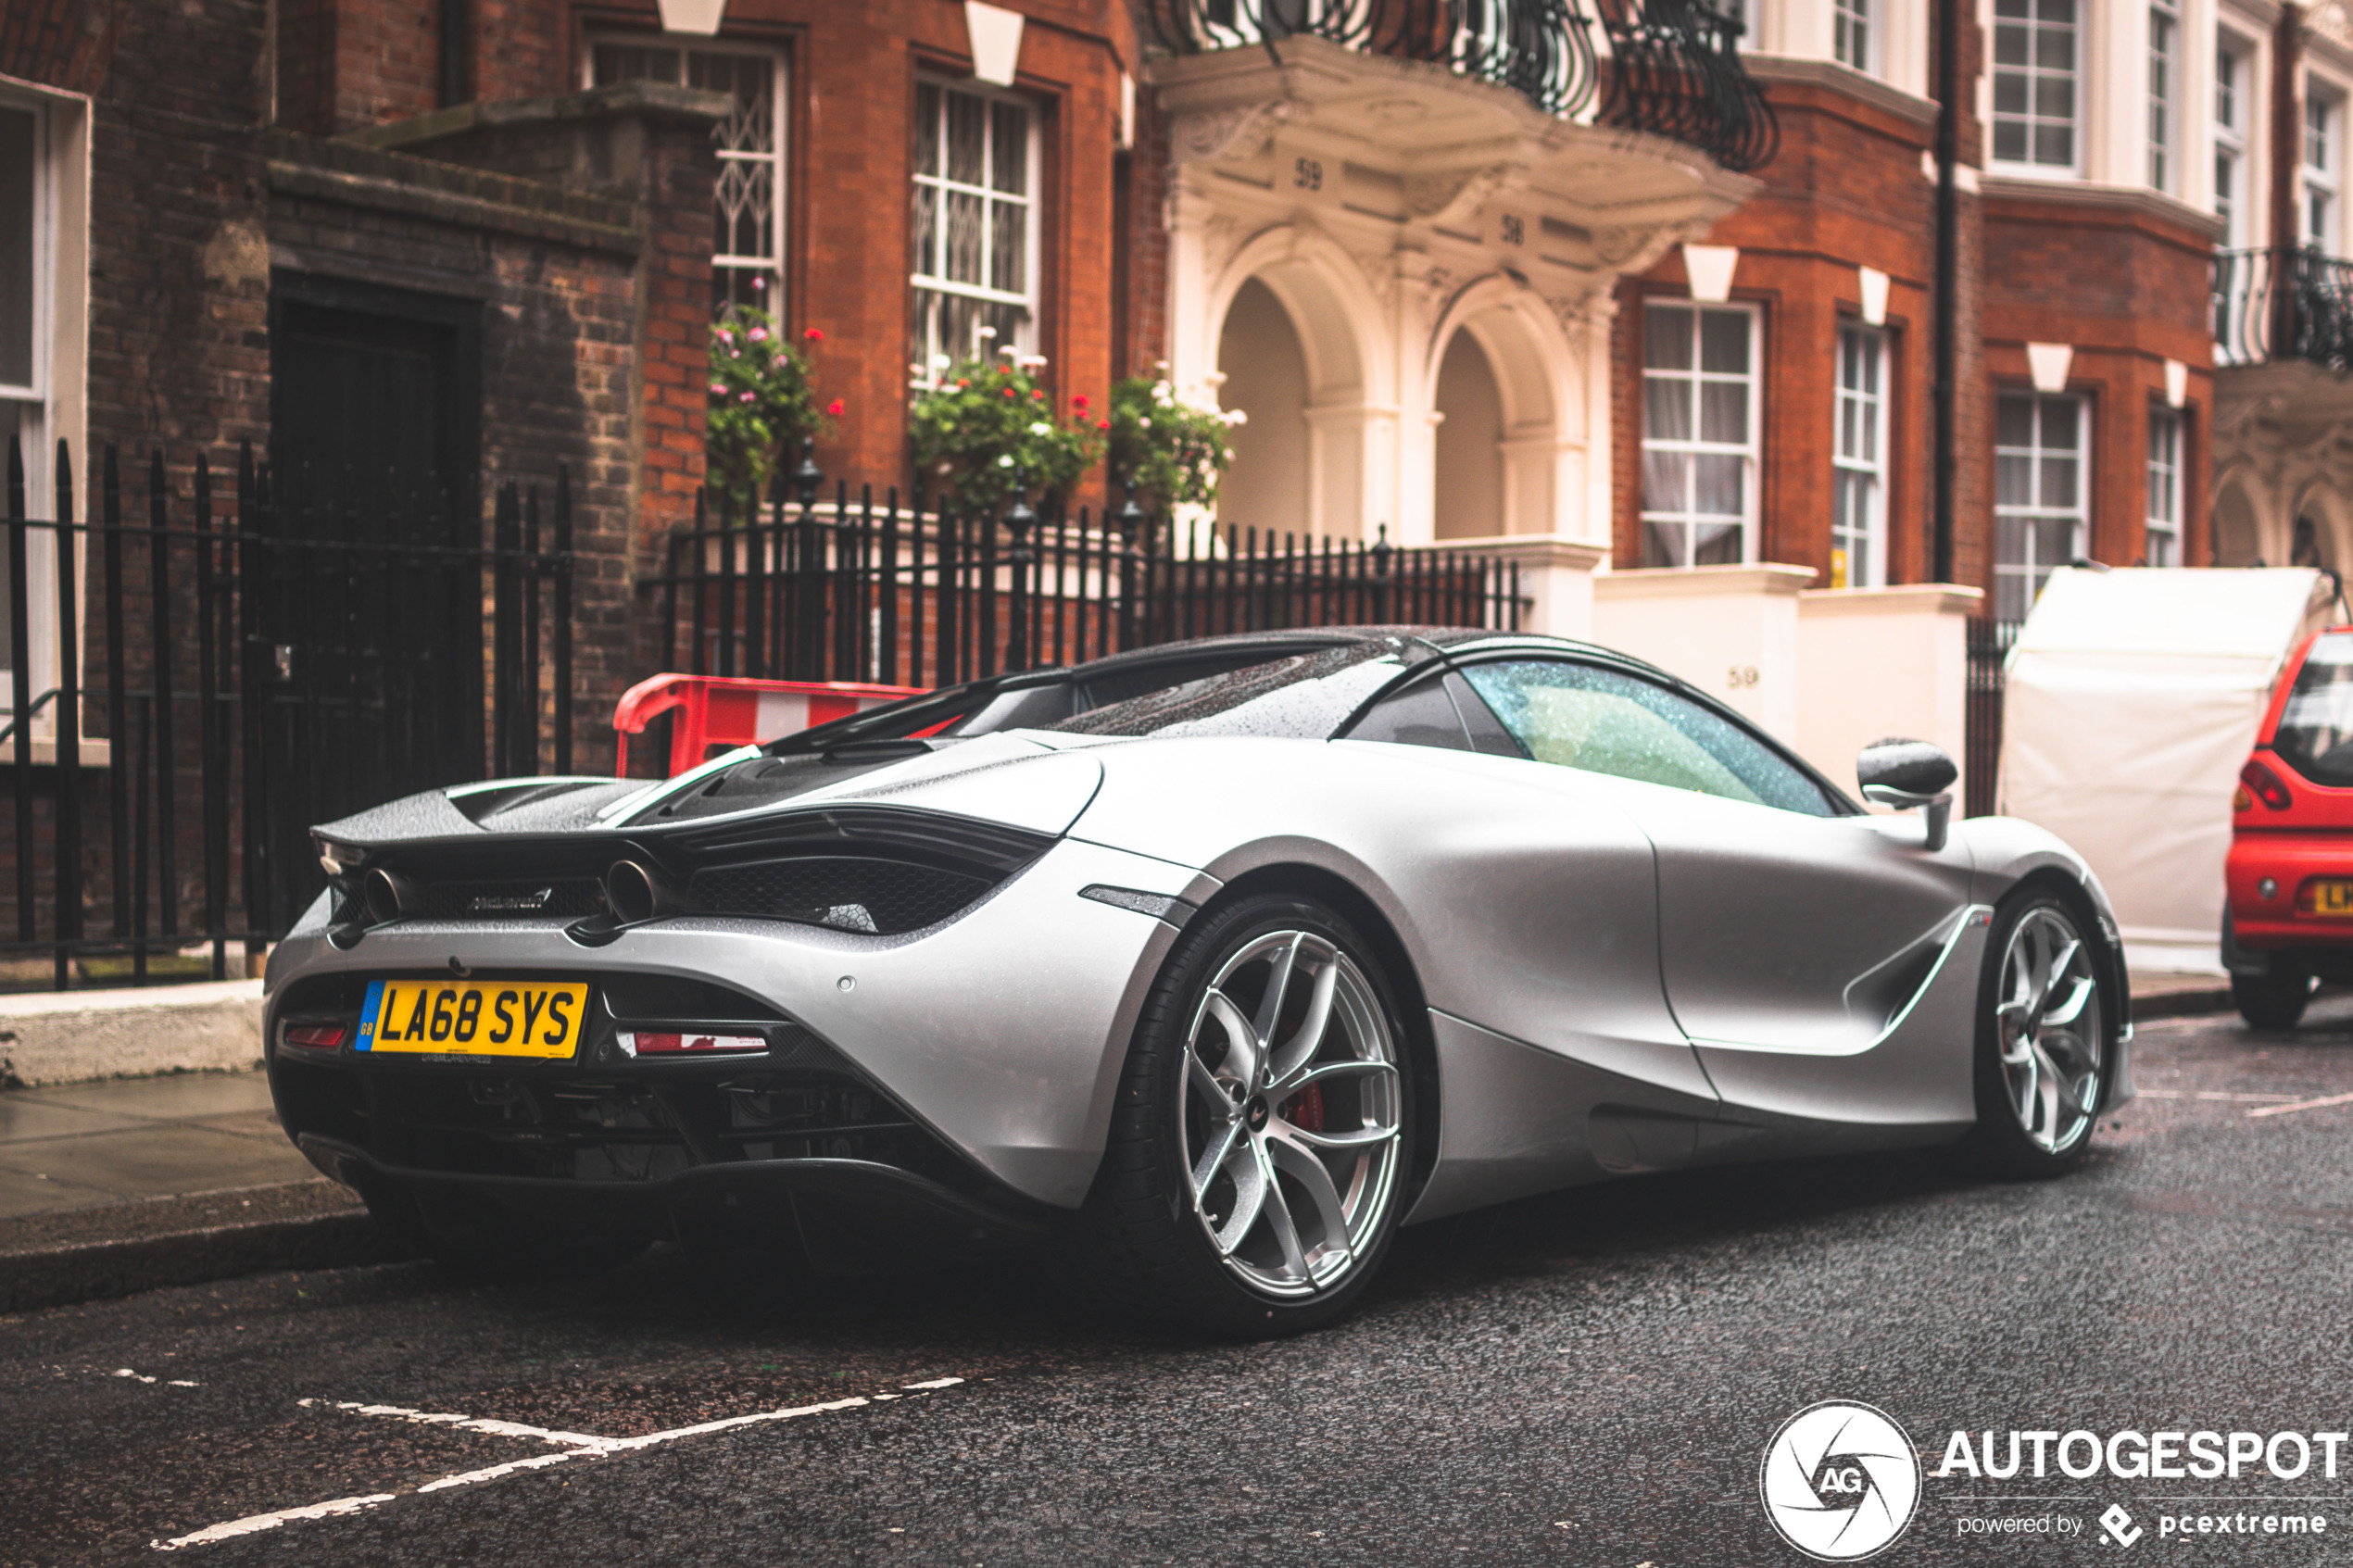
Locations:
{"points": [[364, 630]]}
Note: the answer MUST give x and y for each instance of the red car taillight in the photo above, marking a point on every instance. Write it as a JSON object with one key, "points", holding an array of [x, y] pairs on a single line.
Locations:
{"points": [[2265, 786], [317, 1036]]}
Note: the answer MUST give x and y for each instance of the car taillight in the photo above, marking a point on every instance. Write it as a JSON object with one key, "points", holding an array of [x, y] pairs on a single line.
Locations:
{"points": [[2265, 786], [648, 1042], [317, 1036]]}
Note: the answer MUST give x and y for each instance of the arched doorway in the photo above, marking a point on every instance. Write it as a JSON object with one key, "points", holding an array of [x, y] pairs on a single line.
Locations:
{"points": [[1266, 377], [2238, 539], [1468, 469]]}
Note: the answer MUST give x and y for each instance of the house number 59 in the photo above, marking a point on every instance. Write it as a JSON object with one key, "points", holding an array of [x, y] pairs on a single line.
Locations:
{"points": [[1307, 173], [1743, 676], [1515, 231]]}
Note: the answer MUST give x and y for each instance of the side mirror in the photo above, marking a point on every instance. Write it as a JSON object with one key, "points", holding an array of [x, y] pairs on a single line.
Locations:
{"points": [[1904, 773]]}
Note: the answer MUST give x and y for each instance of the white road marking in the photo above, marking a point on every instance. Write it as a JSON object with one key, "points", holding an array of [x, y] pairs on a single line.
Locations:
{"points": [[576, 1446], [2303, 1104]]}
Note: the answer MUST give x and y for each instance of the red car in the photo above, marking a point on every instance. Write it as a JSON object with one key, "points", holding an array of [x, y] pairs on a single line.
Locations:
{"points": [[2289, 923]]}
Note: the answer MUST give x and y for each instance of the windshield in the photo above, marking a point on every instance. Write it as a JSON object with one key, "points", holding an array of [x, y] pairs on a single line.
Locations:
{"points": [[2315, 735]]}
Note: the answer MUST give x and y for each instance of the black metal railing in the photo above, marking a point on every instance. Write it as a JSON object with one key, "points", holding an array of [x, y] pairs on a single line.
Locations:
{"points": [[253, 663], [866, 589], [1669, 67], [2283, 304], [1989, 643]]}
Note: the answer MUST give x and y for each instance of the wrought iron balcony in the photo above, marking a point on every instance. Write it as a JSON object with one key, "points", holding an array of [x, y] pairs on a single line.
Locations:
{"points": [[2285, 303], [1669, 67]]}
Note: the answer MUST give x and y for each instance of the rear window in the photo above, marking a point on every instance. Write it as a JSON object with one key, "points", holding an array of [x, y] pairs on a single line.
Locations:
{"points": [[2316, 728], [1303, 696]]}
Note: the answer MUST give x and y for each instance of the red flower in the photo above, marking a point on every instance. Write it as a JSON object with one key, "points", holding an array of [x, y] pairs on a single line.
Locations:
{"points": [[813, 335], [1102, 424], [833, 409], [1039, 396], [1080, 401], [961, 383], [1010, 393]]}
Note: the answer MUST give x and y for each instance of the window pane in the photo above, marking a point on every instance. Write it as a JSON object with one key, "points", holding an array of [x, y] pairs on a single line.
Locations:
{"points": [[1010, 148], [1715, 544], [1717, 488], [967, 130], [2009, 92], [1667, 338], [16, 185], [1667, 408], [1666, 482], [1723, 342], [1723, 412], [1663, 545], [2059, 423], [2014, 421], [2058, 481], [923, 226], [927, 129], [2013, 481], [1602, 722], [1007, 232], [744, 200], [2009, 137], [2054, 545], [2054, 146], [961, 253]]}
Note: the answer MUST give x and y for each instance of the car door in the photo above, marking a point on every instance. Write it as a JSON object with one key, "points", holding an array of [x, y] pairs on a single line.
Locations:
{"points": [[1793, 932]]}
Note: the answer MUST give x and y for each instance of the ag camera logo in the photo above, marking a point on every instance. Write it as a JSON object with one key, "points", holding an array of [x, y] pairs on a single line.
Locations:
{"points": [[1840, 1481]]}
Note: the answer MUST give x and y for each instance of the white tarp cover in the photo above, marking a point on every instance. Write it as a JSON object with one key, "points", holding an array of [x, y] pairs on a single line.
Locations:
{"points": [[2130, 703]]}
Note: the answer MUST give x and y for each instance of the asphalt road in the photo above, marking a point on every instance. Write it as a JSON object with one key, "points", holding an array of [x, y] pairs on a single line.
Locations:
{"points": [[1587, 1379]]}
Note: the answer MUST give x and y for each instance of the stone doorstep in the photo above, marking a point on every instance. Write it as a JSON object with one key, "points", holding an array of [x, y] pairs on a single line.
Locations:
{"points": [[75, 1036]]}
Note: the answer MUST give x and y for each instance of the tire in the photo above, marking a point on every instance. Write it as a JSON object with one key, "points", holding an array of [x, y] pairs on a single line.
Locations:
{"points": [[2044, 1046], [2275, 1000], [1217, 1082]]}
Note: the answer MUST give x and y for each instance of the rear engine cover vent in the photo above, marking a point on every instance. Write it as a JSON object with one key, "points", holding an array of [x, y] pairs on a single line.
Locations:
{"points": [[847, 893], [517, 898]]}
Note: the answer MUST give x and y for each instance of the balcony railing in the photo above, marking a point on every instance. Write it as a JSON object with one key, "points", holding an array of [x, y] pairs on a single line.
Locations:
{"points": [[1669, 67], [2283, 304]]}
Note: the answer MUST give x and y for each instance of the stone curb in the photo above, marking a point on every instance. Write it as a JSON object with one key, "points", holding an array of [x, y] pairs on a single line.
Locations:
{"points": [[63, 1275], [49, 1038], [2183, 1004]]}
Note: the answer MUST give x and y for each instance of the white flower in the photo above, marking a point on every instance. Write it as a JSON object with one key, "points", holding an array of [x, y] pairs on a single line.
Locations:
{"points": [[1236, 417], [988, 331], [1006, 462], [1142, 423], [939, 361], [1163, 394], [1041, 427]]}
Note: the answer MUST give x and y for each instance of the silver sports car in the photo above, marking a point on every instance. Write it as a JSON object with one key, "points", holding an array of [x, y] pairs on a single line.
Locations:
{"points": [[1214, 964]]}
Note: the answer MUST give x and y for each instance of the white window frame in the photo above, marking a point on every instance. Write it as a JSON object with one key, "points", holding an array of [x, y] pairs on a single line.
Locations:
{"points": [[2232, 102], [924, 347], [2036, 515], [770, 268], [2168, 435], [2321, 135], [1859, 457], [50, 405], [2034, 74], [2165, 94], [1748, 450], [1849, 18]]}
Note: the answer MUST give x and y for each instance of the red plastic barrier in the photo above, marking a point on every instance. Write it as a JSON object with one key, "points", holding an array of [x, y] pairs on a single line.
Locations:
{"points": [[727, 711]]}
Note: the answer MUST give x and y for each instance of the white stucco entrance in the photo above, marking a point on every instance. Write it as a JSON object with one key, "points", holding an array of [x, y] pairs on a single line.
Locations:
{"points": [[1403, 277]]}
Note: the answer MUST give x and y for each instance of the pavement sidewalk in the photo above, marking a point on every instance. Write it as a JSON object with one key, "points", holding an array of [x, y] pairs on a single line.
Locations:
{"points": [[131, 1183]]}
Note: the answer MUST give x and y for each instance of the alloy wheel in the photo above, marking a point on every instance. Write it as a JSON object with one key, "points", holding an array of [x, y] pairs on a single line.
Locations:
{"points": [[1293, 1108], [2047, 1023]]}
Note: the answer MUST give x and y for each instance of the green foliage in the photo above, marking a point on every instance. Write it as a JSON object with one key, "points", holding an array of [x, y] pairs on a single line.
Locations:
{"points": [[1172, 452], [762, 404], [980, 424]]}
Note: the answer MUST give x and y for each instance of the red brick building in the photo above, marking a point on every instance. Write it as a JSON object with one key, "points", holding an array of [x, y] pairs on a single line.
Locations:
{"points": [[2084, 393]]}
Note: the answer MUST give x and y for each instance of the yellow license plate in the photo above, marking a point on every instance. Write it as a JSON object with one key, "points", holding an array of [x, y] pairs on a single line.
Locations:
{"points": [[2330, 897], [473, 1017]]}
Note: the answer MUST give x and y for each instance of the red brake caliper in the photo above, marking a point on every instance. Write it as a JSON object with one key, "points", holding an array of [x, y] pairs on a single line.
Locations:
{"points": [[1305, 1109]]}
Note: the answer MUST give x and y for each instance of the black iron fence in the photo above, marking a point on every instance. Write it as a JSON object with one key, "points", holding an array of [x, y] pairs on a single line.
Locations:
{"points": [[2283, 304], [861, 589], [1672, 67], [253, 659], [1989, 643]]}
